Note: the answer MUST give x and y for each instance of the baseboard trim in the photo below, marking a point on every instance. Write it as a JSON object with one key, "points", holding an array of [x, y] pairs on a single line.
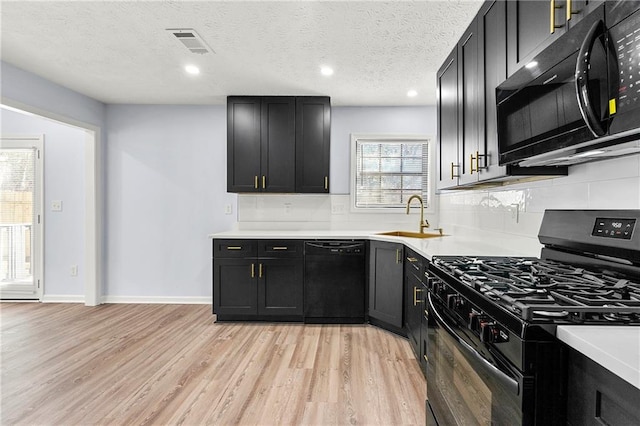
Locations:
{"points": [[62, 298], [186, 300]]}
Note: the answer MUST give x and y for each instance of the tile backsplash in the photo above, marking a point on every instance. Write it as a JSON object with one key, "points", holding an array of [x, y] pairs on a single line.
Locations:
{"points": [[512, 209], [518, 209]]}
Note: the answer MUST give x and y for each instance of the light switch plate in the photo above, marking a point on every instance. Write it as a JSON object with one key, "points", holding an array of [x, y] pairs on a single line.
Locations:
{"points": [[228, 209], [56, 206]]}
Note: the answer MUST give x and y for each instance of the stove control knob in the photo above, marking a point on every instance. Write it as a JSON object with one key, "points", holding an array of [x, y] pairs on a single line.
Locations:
{"points": [[489, 332], [474, 321], [453, 301]]}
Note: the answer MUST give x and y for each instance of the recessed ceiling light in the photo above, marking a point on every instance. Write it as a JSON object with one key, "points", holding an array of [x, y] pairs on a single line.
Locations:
{"points": [[192, 69], [412, 93], [326, 71], [531, 64]]}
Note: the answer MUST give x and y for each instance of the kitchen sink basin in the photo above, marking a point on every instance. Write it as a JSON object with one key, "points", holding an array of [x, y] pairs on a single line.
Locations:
{"points": [[410, 234]]}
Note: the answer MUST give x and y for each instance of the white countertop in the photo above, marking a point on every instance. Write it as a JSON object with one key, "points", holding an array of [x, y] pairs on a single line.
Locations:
{"points": [[616, 348], [458, 242]]}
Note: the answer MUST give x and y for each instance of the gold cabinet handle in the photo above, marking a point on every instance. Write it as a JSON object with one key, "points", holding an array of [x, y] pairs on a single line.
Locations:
{"points": [[452, 174], [326, 183], [416, 290], [234, 247], [412, 259], [253, 270], [552, 16], [280, 248], [425, 358], [255, 182], [569, 10], [264, 182], [260, 271], [397, 256]]}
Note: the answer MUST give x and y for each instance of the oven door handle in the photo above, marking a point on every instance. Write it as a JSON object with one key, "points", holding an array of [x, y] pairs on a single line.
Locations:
{"points": [[507, 380]]}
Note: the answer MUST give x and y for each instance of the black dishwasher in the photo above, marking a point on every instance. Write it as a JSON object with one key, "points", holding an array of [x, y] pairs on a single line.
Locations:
{"points": [[334, 282]]}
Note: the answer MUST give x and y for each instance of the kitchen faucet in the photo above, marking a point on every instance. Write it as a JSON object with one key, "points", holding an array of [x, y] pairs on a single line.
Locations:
{"points": [[423, 222]]}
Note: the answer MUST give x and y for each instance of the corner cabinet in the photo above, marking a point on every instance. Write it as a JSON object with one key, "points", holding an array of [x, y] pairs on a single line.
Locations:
{"points": [[385, 285], [278, 144], [258, 280]]}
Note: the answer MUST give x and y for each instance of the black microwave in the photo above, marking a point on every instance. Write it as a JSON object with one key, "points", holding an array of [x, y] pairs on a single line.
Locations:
{"points": [[580, 98]]}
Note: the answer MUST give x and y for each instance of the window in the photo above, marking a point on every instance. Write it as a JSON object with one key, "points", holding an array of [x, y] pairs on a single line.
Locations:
{"points": [[387, 170]]}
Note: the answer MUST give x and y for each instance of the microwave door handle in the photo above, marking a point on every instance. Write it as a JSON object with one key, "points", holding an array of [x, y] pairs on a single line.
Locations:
{"points": [[582, 80], [495, 371]]}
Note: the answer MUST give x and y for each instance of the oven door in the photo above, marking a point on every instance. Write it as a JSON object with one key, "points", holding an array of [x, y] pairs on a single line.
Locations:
{"points": [[466, 383]]}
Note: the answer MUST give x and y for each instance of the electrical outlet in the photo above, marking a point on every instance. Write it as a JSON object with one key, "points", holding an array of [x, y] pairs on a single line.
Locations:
{"points": [[337, 208], [287, 209], [56, 206], [228, 209], [74, 270]]}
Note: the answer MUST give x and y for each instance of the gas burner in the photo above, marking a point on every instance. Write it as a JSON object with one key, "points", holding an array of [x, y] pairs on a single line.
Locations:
{"points": [[548, 290]]}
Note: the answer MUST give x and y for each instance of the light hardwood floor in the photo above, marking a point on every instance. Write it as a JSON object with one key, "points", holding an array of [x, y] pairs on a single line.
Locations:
{"points": [[171, 364]]}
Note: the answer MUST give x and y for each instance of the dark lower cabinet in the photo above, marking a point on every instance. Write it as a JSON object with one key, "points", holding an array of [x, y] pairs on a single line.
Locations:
{"points": [[257, 280], [385, 285], [413, 278], [596, 396]]}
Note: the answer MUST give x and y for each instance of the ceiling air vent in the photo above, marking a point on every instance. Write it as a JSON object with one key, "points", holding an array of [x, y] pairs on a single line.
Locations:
{"points": [[191, 40]]}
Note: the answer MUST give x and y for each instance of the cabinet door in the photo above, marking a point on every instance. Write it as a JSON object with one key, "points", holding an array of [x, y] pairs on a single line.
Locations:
{"points": [[278, 146], [243, 143], [385, 283], [280, 285], [447, 79], [413, 311], [492, 56], [234, 286], [313, 138], [468, 102]]}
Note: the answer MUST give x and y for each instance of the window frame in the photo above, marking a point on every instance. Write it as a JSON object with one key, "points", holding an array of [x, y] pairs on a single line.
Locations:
{"points": [[391, 137]]}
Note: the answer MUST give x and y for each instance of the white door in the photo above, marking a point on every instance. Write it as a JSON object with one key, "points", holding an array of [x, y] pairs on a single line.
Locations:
{"points": [[21, 217]]}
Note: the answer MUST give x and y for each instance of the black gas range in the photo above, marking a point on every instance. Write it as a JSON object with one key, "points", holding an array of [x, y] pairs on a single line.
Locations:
{"points": [[492, 353]]}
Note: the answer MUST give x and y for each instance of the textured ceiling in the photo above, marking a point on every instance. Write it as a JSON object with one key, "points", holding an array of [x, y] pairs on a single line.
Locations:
{"points": [[119, 51]]}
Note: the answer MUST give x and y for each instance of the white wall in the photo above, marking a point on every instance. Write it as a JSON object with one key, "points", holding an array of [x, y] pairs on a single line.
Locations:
{"points": [[166, 191], [518, 209], [64, 175], [306, 211]]}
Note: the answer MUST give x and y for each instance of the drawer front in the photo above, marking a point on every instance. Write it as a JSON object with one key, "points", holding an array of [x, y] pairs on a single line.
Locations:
{"points": [[280, 248], [414, 263], [235, 248]]}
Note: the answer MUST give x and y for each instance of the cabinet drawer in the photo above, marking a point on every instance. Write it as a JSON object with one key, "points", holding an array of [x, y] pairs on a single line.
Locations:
{"points": [[235, 248], [280, 248], [414, 263]]}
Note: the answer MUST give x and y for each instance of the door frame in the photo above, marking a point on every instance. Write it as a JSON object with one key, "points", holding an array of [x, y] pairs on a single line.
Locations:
{"points": [[93, 197], [37, 259]]}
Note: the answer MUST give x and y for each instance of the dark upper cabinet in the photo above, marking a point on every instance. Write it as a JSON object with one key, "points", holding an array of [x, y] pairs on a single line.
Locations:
{"points": [[278, 144], [278, 147], [492, 70], [260, 144], [313, 138], [447, 106], [386, 284], [534, 24], [468, 103], [243, 143]]}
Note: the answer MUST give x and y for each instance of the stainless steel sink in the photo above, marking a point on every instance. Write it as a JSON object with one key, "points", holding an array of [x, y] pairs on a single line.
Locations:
{"points": [[410, 234]]}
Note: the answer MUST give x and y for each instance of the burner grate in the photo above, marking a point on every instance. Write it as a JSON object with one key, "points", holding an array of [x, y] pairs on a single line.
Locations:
{"points": [[546, 290]]}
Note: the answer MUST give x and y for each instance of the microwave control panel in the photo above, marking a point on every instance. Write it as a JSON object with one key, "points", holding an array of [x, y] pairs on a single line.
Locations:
{"points": [[614, 228], [626, 38]]}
